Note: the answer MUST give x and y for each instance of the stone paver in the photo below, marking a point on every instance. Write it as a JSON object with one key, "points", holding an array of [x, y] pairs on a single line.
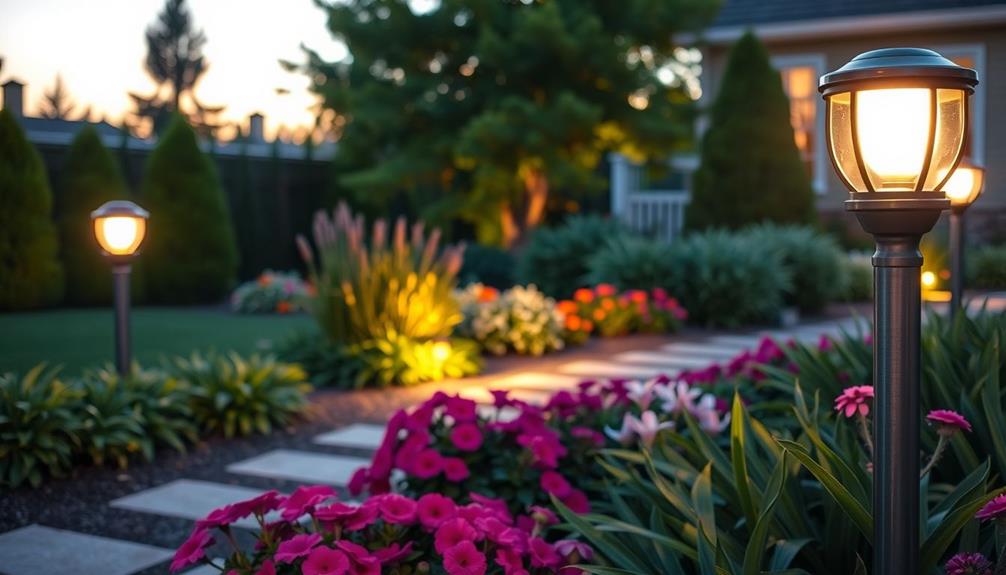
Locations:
{"points": [[536, 380], [188, 499], [741, 341], [595, 369], [712, 352], [39, 550], [303, 466], [358, 436], [663, 359]]}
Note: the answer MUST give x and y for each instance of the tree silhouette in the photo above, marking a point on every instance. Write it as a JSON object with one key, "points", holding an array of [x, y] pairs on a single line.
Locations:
{"points": [[56, 103]]}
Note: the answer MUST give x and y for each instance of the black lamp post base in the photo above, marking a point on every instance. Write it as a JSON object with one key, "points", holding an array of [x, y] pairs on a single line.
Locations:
{"points": [[120, 275]]}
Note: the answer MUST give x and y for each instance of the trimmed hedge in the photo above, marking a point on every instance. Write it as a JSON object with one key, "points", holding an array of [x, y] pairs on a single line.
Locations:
{"points": [[30, 273]]}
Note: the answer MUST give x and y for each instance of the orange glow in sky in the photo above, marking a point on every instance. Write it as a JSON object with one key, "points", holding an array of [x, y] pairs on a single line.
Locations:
{"points": [[98, 47]]}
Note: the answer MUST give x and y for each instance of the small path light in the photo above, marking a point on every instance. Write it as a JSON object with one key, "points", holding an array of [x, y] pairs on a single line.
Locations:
{"points": [[120, 228], [963, 188], [896, 124]]}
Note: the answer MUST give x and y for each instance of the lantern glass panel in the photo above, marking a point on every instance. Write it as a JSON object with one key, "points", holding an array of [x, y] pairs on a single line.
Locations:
{"points": [[120, 235], [893, 131], [950, 123], [840, 139]]}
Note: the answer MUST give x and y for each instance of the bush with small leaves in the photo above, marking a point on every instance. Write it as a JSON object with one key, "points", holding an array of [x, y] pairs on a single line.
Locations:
{"points": [[987, 268]]}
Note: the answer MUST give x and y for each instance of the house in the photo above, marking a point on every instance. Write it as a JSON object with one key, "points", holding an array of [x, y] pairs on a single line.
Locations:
{"points": [[807, 38]]}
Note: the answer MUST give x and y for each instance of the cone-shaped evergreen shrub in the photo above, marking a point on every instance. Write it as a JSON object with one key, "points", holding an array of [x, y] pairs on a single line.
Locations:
{"points": [[190, 254], [30, 273], [751, 169], [91, 177]]}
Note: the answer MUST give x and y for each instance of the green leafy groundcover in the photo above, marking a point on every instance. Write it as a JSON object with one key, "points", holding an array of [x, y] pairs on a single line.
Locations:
{"points": [[740, 468], [49, 423]]}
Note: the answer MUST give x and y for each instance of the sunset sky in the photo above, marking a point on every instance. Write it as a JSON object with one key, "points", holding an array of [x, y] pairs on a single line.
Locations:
{"points": [[98, 47]]}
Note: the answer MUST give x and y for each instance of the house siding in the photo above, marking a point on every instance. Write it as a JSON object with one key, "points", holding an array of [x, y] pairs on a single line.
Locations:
{"points": [[839, 51]]}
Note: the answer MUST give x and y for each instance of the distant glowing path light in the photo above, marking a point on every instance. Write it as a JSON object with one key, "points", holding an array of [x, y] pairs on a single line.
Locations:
{"points": [[963, 188], [120, 228]]}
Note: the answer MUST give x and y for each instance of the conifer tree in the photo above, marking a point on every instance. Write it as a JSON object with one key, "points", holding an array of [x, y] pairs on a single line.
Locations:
{"points": [[30, 273], [190, 254], [751, 169]]}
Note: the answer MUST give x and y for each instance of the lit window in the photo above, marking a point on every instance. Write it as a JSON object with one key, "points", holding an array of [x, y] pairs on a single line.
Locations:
{"points": [[800, 84]]}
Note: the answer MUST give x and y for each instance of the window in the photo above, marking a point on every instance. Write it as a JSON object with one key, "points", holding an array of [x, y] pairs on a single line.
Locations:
{"points": [[799, 80]]}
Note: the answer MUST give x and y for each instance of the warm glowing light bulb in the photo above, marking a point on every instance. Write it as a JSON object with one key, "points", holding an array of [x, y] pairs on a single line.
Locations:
{"points": [[964, 185], [928, 279], [893, 129], [119, 235]]}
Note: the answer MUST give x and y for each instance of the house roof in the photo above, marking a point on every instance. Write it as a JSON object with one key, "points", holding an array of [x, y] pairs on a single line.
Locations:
{"points": [[753, 12]]}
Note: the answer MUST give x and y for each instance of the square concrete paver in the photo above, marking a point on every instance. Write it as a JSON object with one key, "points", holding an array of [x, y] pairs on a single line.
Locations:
{"points": [[603, 369], [38, 550], [711, 351], [358, 436], [188, 499], [741, 341], [663, 359], [535, 380], [302, 466]]}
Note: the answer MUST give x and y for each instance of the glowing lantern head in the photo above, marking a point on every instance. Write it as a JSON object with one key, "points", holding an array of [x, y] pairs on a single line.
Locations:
{"points": [[120, 228], [965, 184]]}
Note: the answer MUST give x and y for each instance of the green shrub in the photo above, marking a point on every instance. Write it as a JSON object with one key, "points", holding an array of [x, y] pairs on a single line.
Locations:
{"points": [[39, 426], [751, 169], [30, 273], [327, 364], [555, 259], [239, 396], [136, 414], [91, 177], [987, 268], [631, 262], [722, 280], [190, 253], [520, 320], [858, 277], [813, 260], [487, 265]]}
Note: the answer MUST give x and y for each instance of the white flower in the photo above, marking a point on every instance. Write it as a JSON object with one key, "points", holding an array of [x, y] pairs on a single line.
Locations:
{"points": [[641, 392], [677, 397], [646, 428], [708, 416]]}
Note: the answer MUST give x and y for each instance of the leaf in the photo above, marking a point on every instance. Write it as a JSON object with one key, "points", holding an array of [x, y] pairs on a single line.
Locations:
{"points": [[738, 455], [757, 541], [937, 543], [702, 499], [785, 551]]}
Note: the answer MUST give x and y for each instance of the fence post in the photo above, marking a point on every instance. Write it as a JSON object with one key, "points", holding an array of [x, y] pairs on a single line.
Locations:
{"points": [[620, 184]]}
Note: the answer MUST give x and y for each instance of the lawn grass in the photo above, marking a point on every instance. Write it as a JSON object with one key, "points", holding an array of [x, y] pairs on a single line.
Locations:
{"points": [[79, 338]]}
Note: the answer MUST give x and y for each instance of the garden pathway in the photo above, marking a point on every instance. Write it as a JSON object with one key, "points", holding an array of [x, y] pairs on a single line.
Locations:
{"points": [[40, 550]]}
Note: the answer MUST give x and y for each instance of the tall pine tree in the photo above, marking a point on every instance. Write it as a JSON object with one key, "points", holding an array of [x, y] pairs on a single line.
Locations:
{"points": [[485, 108], [30, 272], [190, 254], [91, 177], [751, 169]]}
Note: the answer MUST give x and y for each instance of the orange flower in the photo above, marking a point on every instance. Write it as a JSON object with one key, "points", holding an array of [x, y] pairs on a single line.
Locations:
{"points": [[588, 326], [605, 290], [488, 294], [599, 315], [638, 296], [573, 323], [583, 295], [283, 307], [568, 306], [608, 304], [264, 280]]}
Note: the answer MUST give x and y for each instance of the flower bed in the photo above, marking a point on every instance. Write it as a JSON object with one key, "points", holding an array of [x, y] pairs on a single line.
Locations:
{"points": [[272, 292], [520, 319], [605, 311]]}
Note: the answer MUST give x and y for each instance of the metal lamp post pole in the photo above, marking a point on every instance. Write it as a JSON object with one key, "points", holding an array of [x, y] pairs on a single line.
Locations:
{"points": [[956, 259], [120, 275]]}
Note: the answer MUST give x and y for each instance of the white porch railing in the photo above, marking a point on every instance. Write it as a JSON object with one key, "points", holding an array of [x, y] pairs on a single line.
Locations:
{"points": [[657, 213]]}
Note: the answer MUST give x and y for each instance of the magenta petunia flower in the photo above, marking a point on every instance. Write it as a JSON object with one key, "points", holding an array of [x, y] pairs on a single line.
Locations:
{"points": [[543, 554], [267, 568], [577, 502], [948, 421], [568, 547], [855, 399], [296, 547], [969, 564], [434, 509], [304, 499], [397, 509], [554, 483], [455, 469], [466, 437], [426, 464], [393, 553], [325, 561], [192, 550], [222, 517], [358, 481], [464, 559], [461, 410], [452, 532], [260, 505], [994, 508]]}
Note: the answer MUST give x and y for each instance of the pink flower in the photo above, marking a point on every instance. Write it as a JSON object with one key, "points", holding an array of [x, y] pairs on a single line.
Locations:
{"points": [[494, 505], [434, 509], [304, 499], [296, 547], [267, 568], [452, 532], [544, 447], [574, 551], [393, 553], [646, 428], [542, 553], [543, 515], [589, 434], [577, 502], [948, 422], [994, 508], [855, 399], [261, 504], [969, 564], [358, 481], [397, 509], [222, 517], [464, 559], [554, 483], [361, 562], [348, 516], [510, 560], [461, 410], [825, 344], [466, 437], [192, 550], [427, 464], [325, 561], [455, 469]]}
